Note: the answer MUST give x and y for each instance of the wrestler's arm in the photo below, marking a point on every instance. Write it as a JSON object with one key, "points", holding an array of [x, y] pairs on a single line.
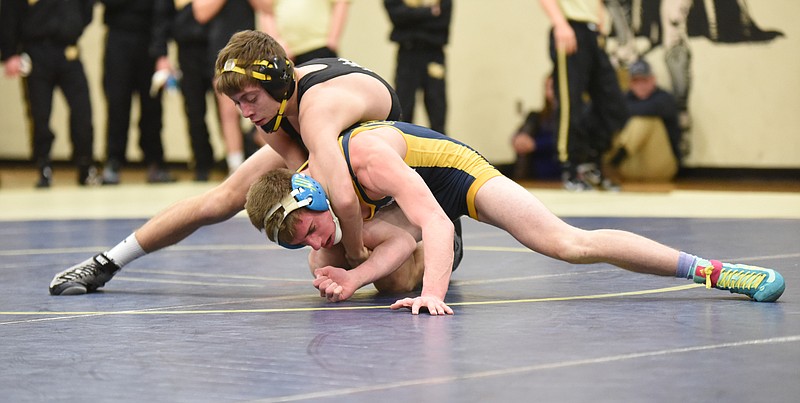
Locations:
{"points": [[337, 23], [322, 117], [562, 32], [391, 247], [380, 169]]}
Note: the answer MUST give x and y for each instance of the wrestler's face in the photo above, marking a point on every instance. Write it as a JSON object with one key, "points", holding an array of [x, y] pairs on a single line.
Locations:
{"points": [[255, 104], [315, 229]]}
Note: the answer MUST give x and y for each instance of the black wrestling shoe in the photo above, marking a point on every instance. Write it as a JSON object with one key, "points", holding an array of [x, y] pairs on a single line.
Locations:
{"points": [[84, 277]]}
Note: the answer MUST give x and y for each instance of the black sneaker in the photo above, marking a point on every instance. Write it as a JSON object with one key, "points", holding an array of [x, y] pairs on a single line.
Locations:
{"points": [[45, 177], [592, 175], [201, 175], [84, 277], [576, 185], [158, 174], [88, 176], [572, 180], [609, 185], [111, 173]]}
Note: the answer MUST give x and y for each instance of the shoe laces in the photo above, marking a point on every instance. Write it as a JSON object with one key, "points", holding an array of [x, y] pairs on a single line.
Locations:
{"points": [[707, 271], [77, 273], [740, 279]]}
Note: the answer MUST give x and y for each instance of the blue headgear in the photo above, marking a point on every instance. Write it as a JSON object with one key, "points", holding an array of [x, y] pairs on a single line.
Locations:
{"points": [[306, 192]]}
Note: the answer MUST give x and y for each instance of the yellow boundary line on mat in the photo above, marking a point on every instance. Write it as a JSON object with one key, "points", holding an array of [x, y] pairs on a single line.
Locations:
{"points": [[151, 311]]}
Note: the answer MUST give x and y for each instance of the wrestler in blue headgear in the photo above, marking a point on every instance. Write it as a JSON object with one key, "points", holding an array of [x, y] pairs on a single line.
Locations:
{"points": [[306, 192]]}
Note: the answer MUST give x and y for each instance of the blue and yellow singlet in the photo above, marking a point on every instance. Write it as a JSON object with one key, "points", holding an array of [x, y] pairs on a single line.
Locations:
{"points": [[452, 170]]}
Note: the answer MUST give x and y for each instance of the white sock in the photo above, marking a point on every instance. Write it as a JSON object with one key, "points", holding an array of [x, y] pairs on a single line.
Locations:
{"points": [[126, 251], [234, 159]]}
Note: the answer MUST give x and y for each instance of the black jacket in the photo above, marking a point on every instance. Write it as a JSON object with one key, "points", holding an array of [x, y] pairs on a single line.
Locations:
{"points": [[56, 21], [134, 16], [180, 25], [417, 25]]}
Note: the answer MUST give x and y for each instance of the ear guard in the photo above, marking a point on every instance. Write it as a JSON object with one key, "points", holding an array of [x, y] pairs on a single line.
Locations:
{"points": [[276, 75], [306, 192]]}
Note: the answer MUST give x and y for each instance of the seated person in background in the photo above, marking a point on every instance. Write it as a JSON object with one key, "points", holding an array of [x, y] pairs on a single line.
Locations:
{"points": [[535, 141], [647, 147]]}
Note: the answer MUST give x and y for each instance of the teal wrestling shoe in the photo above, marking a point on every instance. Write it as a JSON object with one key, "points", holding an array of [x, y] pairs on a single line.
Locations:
{"points": [[758, 283]]}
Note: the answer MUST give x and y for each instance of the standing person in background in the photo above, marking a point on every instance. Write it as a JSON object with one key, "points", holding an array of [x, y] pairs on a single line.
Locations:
{"points": [[177, 22], [535, 141], [582, 66], [225, 18], [38, 41], [421, 29], [306, 29], [648, 148], [128, 67]]}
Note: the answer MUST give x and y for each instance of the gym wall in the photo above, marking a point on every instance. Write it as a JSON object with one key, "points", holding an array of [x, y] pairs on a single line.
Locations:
{"points": [[743, 101]]}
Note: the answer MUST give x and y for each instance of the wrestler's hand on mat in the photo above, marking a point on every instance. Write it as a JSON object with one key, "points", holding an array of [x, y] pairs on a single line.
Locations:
{"points": [[434, 305], [334, 283]]}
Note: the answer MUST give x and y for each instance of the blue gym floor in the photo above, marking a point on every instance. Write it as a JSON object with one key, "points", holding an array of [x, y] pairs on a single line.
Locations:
{"points": [[223, 317]]}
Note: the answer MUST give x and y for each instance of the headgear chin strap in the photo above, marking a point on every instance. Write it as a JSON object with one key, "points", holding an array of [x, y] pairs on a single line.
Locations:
{"points": [[275, 123], [306, 192]]}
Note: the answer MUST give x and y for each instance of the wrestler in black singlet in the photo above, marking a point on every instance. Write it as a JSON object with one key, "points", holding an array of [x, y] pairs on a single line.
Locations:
{"points": [[334, 68]]}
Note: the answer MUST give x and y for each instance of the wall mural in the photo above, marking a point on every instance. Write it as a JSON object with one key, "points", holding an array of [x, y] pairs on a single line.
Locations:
{"points": [[639, 26]]}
